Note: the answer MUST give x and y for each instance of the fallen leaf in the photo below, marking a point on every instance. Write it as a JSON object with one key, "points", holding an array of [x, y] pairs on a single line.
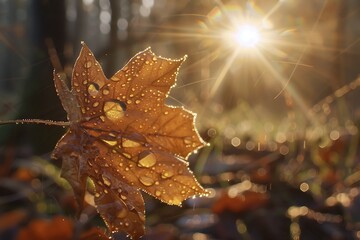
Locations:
{"points": [[12, 219], [247, 201], [23, 174], [58, 228], [124, 137]]}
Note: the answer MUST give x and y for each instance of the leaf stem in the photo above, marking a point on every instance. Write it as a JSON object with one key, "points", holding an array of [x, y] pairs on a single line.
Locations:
{"points": [[35, 121]]}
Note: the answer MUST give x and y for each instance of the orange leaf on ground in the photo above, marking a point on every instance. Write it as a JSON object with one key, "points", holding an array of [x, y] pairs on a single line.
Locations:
{"points": [[58, 228], [243, 202], [12, 219]]}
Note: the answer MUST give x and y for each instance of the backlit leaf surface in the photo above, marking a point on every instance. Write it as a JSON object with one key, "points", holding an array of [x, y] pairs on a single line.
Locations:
{"points": [[125, 138]]}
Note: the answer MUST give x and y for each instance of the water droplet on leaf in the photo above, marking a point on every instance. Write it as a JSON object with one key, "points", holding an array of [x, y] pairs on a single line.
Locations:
{"points": [[106, 92], [88, 64], [147, 181], [146, 159], [114, 110], [187, 140], [115, 78], [167, 173], [106, 181], [93, 89], [110, 142], [127, 143]]}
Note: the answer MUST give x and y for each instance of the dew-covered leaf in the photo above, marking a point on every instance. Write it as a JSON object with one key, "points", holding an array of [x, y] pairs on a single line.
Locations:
{"points": [[125, 138]]}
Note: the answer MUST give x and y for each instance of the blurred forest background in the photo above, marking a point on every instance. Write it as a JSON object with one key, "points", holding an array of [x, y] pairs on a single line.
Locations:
{"points": [[282, 117]]}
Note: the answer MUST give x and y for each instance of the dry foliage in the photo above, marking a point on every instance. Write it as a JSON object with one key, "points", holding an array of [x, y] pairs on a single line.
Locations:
{"points": [[125, 139]]}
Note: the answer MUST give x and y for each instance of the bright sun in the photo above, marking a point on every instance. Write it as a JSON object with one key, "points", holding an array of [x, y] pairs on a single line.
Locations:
{"points": [[247, 36]]}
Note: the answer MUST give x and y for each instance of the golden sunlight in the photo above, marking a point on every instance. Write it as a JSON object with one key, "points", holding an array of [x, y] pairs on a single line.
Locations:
{"points": [[247, 36]]}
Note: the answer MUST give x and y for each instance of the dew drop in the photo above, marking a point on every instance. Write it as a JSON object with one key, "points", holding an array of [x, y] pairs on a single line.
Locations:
{"points": [[102, 118], [93, 89], [176, 201], [127, 143], [187, 140], [154, 58], [106, 181], [157, 193], [88, 64], [123, 197], [106, 91], [146, 159], [146, 181], [110, 142], [97, 195], [137, 101], [114, 109], [167, 173], [115, 78], [141, 216], [95, 104]]}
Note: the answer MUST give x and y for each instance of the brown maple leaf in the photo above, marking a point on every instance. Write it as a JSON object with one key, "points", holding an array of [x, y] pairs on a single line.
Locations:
{"points": [[125, 139]]}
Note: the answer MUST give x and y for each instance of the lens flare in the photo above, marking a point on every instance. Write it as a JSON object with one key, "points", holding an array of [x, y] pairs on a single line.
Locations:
{"points": [[247, 36]]}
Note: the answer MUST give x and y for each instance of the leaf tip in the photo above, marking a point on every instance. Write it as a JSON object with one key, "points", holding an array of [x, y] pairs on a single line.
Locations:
{"points": [[85, 47]]}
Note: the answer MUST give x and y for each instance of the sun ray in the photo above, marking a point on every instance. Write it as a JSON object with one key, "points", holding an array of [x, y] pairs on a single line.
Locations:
{"points": [[223, 72], [290, 89], [303, 51], [273, 9]]}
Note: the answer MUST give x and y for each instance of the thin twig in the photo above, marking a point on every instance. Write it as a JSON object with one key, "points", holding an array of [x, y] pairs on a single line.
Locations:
{"points": [[35, 121]]}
